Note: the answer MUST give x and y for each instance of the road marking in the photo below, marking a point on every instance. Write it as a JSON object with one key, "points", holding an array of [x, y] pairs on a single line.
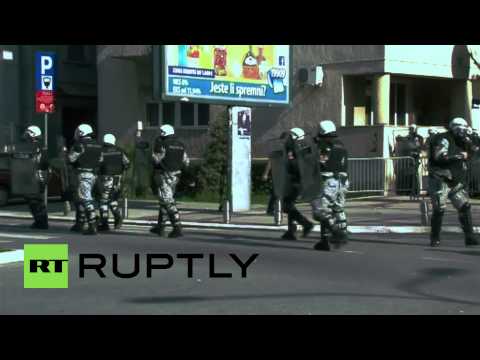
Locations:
{"points": [[374, 229], [11, 256], [25, 236], [353, 252], [445, 260]]}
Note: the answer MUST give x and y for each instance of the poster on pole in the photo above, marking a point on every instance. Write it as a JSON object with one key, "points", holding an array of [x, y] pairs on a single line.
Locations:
{"points": [[240, 157], [248, 75], [45, 82]]}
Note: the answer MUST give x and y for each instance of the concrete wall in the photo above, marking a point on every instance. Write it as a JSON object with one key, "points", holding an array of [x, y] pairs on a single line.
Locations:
{"points": [[309, 105], [447, 61], [17, 103]]}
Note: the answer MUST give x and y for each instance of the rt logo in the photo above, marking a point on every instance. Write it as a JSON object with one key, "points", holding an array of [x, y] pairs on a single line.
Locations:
{"points": [[45, 266]]}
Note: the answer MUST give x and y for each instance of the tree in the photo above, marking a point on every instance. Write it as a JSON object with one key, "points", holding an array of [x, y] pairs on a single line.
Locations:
{"points": [[213, 173]]}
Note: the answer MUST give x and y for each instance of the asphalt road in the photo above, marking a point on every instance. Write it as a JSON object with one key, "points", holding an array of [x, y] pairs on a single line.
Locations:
{"points": [[373, 274]]}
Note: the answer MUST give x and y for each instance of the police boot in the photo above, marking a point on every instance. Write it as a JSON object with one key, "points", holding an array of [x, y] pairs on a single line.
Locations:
{"points": [[118, 220], [91, 230], [465, 217], [292, 229], [339, 238], [103, 225], [436, 227], [79, 224], [307, 228], [322, 245], [159, 229], [40, 223], [77, 227], [176, 232]]}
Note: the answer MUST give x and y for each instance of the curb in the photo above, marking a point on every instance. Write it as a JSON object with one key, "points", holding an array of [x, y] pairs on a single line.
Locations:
{"points": [[11, 256], [190, 224]]}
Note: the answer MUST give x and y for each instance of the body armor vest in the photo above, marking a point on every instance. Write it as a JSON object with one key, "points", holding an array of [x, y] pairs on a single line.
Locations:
{"points": [[112, 161], [174, 152], [333, 156], [90, 159]]}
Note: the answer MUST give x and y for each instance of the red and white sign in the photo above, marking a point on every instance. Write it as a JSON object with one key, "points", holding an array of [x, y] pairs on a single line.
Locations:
{"points": [[45, 82], [44, 102]]}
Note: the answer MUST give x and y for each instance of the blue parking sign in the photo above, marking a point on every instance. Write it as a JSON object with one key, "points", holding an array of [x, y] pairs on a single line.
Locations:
{"points": [[45, 63]]}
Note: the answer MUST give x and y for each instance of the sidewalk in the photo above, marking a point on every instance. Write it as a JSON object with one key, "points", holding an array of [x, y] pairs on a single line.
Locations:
{"points": [[374, 211]]}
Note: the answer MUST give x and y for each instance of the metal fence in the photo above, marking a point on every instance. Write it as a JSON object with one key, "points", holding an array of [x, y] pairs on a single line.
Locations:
{"points": [[6, 137], [396, 175]]}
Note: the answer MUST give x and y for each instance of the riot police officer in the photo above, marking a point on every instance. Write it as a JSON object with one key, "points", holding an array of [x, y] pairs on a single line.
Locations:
{"points": [[86, 157], [169, 158], [35, 158], [115, 163], [328, 206], [294, 216], [447, 178], [415, 145]]}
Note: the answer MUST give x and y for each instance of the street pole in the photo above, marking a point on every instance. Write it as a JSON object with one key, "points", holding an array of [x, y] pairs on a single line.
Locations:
{"points": [[46, 153]]}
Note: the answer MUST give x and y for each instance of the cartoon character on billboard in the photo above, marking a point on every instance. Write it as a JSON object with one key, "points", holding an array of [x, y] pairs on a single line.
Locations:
{"points": [[244, 124], [193, 56], [250, 66], [220, 60]]}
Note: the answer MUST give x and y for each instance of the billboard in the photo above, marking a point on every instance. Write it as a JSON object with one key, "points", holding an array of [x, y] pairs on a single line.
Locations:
{"points": [[227, 74]]}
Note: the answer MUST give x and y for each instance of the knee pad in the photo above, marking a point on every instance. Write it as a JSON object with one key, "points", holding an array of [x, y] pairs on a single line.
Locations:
{"points": [[459, 197], [322, 214]]}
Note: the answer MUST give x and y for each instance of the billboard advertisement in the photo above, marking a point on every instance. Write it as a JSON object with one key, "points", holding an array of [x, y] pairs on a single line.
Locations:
{"points": [[241, 157], [228, 74]]}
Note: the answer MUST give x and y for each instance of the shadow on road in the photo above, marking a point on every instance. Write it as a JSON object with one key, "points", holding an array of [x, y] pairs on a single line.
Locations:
{"points": [[193, 299], [460, 252], [430, 275]]}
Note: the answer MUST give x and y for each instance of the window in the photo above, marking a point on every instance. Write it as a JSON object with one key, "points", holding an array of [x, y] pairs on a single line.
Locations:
{"points": [[187, 115], [203, 114], [168, 113], [76, 53], [184, 115], [397, 104], [152, 112]]}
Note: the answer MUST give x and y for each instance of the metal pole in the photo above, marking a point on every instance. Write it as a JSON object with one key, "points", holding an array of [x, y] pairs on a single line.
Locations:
{"points": [[125, 208], [278, 212], [46, 151]]}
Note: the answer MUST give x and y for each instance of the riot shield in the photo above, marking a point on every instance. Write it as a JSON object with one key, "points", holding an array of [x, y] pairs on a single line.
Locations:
{"points": [[307, 160], [23, 175], [280, 178]]}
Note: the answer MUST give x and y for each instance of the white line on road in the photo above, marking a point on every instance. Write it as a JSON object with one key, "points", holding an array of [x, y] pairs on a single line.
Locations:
{"points": [[374, 229], [25, 236], [11, 256], [445, 260]]}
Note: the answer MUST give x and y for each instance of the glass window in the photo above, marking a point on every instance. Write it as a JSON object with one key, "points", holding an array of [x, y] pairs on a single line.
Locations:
{"points": [[76, 53], [152, 114], [168, 113], [187, 113], [203, 114]]}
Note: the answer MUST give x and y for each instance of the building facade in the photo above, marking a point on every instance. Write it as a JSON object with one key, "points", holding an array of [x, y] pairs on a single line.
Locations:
{"points": [[372, 93], [76, 91]]}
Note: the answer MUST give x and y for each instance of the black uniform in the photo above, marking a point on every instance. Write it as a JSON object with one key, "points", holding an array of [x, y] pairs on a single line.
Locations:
{"points": [[115, 163], [294, 216], [448, 179], [31, 149]]}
